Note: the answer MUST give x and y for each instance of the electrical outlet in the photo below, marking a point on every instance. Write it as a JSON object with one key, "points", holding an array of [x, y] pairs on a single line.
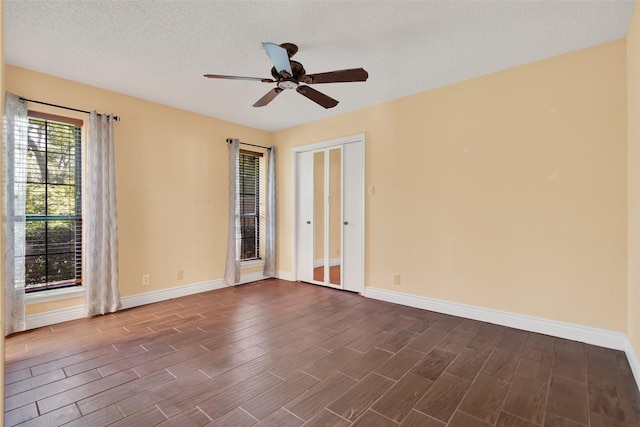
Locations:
{"points": [[146, 279], [396, 279], [179, 275]]}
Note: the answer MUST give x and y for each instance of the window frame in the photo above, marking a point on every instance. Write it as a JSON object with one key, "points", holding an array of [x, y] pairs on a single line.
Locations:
{"points": [[257, 213], [68, 288]]}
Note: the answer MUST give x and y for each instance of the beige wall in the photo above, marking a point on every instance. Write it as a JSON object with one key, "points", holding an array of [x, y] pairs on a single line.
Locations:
{"points": [[633, 135], [506, 191], [172, 182]]}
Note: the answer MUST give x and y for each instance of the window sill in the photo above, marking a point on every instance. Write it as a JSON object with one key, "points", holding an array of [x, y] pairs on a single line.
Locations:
{"points": [[252, 263], [53, 295]]}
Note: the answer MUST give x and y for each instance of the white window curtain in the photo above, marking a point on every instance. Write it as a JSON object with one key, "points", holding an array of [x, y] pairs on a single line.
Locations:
{"points": [[100, 229], [232, 265], [15, 133], [270, 244]]}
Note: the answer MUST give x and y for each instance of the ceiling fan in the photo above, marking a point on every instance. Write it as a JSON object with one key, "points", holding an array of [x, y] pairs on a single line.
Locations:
{"points": [[288, 74]]}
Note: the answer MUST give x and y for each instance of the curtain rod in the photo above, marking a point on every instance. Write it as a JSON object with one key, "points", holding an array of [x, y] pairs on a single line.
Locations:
{"points": [[116, 118], [252, 145]]}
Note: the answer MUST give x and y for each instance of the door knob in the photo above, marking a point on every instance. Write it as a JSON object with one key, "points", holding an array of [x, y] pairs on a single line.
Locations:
{"points": [[308, 222], [346, 223]]}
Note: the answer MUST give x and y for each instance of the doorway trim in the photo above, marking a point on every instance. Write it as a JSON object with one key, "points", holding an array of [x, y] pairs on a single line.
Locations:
{"points": [[360, 137]]}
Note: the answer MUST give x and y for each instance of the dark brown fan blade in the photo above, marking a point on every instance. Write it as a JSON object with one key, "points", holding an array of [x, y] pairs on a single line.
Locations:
{"points": [[317, 97], [339, 76], [268, 97], [218, 76]]}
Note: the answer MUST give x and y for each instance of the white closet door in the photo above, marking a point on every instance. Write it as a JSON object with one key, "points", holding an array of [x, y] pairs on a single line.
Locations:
{"points": [[353, 217], [305, 216]]}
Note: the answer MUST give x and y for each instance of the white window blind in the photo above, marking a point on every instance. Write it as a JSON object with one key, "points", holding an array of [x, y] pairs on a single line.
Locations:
{"points": [[249, 193], [53, 256]]}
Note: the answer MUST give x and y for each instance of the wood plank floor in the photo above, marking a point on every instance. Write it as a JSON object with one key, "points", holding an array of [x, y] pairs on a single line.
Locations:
{"points": [[277, 353]]}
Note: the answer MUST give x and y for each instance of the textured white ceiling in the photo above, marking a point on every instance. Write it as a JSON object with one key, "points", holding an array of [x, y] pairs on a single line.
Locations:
{"points": [[159, 50]]}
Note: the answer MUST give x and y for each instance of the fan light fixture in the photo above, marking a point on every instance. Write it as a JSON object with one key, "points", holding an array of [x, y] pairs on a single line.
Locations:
{"points": [[288, 84]]}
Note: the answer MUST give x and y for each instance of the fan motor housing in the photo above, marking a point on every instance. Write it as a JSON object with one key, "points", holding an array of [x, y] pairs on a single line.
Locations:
{"points": [[297, 69]]}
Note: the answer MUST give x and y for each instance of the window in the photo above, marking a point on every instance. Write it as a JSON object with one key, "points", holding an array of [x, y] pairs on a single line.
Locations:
{"points": [[53, 256], [249, 183]]}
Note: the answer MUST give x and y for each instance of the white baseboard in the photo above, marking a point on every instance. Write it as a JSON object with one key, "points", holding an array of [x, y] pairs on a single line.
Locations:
{"points": [[77, 312], [286, 275], [586, 334], [165, 294], [39, 320], [252, 277], [634, 361]]}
